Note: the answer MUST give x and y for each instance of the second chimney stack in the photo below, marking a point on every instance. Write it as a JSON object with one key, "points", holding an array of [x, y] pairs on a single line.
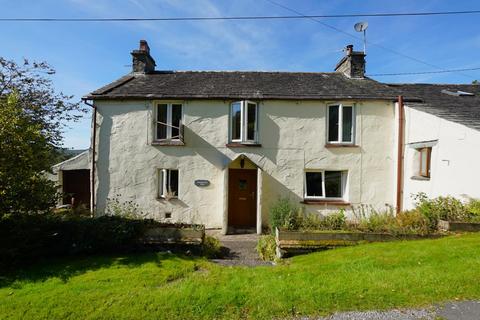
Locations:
{"points": [[352, 64], [142, 61]]}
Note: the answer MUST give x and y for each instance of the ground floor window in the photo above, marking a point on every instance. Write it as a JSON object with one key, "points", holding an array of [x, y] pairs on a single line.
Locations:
{"points": [[168, 183], [425, 159], [325, 184]]}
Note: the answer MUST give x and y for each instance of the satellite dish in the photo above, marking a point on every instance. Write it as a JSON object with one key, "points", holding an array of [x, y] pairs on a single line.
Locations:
{"points": [[361, 26]]}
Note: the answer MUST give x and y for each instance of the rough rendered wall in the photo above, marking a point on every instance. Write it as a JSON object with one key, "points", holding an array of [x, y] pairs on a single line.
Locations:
{"points": [[454, 159], [292, 135]]}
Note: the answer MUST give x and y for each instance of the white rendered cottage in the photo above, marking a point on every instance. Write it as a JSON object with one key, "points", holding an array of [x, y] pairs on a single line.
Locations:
{"points": [[219, 148], [442, 141]]}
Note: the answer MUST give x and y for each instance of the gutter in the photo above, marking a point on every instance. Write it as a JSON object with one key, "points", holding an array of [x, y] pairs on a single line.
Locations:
{"points": [[400, 159], [92, 174], [237, 96]]}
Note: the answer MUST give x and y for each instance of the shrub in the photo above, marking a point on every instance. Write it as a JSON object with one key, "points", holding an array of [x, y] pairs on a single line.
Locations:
{"points": [[440, 208], [413, 221], [383, 221], [80, 210], [369, 219], [309, 221], [334, 221], [473, 209], [126, 209], [266, 248], [284, 214], [211, 247], [26, 238]]}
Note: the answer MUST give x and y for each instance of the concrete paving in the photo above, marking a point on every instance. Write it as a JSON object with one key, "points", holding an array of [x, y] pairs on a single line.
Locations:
{"points": [[241, 249]]}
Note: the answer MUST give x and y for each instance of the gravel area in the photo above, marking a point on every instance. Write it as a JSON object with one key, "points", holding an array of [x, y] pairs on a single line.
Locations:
{"points": [[456, 310], [395, 314], [459, 310]]}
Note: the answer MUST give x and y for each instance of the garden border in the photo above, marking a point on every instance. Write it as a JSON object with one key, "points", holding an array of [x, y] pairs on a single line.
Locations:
{"points": [[307, 241]]}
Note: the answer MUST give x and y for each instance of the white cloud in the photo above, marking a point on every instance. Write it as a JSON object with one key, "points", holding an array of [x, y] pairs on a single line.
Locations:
{"points": [[206, 44]]}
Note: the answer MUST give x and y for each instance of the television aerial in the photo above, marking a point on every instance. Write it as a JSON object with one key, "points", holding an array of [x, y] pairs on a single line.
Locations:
{"points": [[362, 27]]}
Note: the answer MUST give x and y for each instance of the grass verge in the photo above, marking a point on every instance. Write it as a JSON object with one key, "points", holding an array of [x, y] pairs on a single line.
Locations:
{"points": [[166, 286]]}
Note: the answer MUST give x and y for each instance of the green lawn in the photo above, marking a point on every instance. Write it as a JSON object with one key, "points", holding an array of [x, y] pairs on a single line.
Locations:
{"points": [[165, 286]]}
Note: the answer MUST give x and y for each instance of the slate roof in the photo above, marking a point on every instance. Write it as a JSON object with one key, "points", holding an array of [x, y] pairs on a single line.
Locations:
{"points": [[429, 98], [242, 85]]}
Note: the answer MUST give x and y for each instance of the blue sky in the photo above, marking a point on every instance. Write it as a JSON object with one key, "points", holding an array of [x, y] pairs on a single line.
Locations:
{"points": [[89, 55]]}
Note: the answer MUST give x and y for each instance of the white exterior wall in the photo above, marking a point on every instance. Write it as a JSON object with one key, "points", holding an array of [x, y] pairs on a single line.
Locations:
{"points": [[454, 160], [292, 135]]}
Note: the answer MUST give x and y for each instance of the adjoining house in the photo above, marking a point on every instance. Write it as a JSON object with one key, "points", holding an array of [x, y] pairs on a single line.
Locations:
{"points": [[218, 147], [442, 140]]}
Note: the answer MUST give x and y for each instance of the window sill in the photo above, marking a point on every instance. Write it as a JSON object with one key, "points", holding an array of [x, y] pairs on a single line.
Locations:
{"points": [[420, 178], [168, 143], [326, 202], [161, 198], [242, 144], [341, 145]]}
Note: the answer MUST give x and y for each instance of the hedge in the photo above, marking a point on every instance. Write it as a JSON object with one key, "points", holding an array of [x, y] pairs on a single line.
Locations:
{"points": [[28, 238]]}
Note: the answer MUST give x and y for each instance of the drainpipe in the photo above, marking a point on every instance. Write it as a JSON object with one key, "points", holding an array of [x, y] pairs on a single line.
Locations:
{"points": [[401, 124], [92, 174]]}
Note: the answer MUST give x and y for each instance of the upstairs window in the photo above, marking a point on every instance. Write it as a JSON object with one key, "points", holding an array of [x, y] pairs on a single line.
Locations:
{"points": [[340, 124], [425, 159], [243, 122], [168, 124], [325, 184], [167, 183]]}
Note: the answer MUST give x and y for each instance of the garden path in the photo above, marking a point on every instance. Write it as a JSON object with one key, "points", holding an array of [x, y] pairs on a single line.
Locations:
{"points": [[241, 249]]}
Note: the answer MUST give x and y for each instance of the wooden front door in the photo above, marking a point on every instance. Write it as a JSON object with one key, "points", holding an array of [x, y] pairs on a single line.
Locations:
{"points": [[242, 198]]}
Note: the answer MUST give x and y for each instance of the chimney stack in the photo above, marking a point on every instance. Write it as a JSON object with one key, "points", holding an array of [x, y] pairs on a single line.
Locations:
{"points": [[142, 60], [352, 64]]}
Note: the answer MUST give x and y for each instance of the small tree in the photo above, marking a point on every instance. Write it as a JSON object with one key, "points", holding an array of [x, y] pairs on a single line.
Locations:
{"points": [[32, 118]]}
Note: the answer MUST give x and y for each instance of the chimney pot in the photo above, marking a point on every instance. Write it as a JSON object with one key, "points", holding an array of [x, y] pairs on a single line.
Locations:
{"points": [[144, 46], [349, 49], [142, 60]]}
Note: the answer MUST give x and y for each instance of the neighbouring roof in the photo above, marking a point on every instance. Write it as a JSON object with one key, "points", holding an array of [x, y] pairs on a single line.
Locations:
{"points": [[447, 101], [80, 161], [242, 85]]}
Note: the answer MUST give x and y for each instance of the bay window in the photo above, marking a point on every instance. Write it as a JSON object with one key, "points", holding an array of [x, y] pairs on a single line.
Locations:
{"points": [[243, 122], [340, 124]]}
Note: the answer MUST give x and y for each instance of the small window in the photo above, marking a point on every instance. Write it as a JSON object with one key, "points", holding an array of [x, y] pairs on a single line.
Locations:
{"points": [[243, 122], [325, 184], [425, 159], [168, 183], [340, 124], [168, 124]]}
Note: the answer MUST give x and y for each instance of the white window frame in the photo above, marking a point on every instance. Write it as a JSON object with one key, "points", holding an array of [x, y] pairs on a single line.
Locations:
{"points": [[162, 183], [244, 122], [340, 123], [343, 182], [169, 120]]}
